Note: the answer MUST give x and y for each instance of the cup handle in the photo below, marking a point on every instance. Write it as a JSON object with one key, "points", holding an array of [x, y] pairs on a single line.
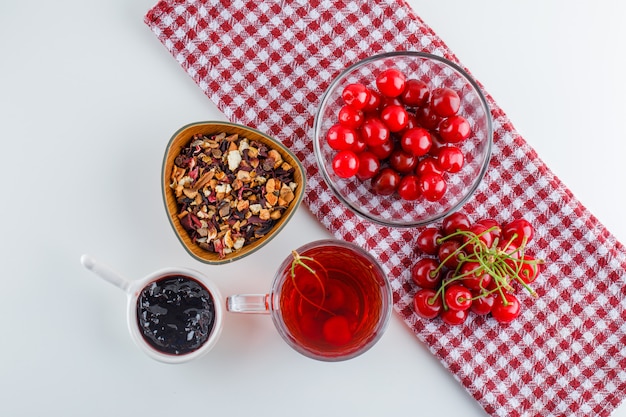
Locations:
{"points": [[104, 272], [248, 303]]}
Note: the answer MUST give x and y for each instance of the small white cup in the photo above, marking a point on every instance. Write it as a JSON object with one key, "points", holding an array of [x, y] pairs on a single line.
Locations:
{"points": [[133, 290]]}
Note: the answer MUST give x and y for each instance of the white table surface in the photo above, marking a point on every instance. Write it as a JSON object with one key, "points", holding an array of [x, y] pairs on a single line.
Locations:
{"points": [[88, 101]]}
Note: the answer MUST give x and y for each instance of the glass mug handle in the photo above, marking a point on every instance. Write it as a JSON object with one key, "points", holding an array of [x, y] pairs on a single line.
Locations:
{"points": [[248, 303]]}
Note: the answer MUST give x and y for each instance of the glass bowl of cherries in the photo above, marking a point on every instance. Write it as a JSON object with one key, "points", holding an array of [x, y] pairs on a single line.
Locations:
{"points": [[403, 138]]}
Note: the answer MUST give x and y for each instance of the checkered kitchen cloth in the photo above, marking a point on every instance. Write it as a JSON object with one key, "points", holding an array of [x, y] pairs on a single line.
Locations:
{"points": [[266, 64]]}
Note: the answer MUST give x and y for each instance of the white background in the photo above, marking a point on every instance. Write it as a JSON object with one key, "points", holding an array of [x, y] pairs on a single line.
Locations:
{"points": [[89, 99]]}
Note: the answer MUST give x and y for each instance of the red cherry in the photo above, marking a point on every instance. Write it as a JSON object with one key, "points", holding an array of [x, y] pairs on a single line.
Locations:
{"points": [[480, 233], [457, 297], [433, 186], [409, 189], [506, 308], [395, 117], [454, 129], [428, 165], [336, 330], [427, 240], [345, 164], [426, 303], [493, 226], [427, 118], [369, 165], [445, 102], [425, 274], [518, 231], [450, 254], [475, 278], [391, 82], [385, 182], [454, 222], [374, 131], [402, 161], [417, 141], [450, 159], [415, 94], [356, 95], [482, 305], [350, 117], [373, 104], [340, 137], [454, 317], [438, 143], [529, 269]]}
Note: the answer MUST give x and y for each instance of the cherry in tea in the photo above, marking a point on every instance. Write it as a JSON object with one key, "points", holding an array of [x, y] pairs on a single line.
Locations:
{"points": [[334, 301]]}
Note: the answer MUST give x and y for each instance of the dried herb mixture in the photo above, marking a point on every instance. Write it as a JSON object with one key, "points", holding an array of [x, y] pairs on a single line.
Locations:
{"points": [[230, 190]]}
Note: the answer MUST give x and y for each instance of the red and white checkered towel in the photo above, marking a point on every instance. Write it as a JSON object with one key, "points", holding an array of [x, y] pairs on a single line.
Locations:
{"points": [[266, 65]]}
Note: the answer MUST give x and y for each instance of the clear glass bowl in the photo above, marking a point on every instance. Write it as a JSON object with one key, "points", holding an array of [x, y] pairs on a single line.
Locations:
{"points": [[391, 210]]}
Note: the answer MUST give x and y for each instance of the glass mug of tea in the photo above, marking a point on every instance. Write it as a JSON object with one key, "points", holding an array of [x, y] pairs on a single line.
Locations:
{"points": [[174, 314], [330, 300]]}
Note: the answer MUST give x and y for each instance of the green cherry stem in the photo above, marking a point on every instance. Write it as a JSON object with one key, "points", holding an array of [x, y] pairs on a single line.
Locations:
{"points": [[503, 262], [300, 260], [472, 238]]}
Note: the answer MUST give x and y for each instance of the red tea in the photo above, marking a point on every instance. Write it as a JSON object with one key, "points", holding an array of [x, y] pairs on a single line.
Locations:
{"points": [[335, 305]]}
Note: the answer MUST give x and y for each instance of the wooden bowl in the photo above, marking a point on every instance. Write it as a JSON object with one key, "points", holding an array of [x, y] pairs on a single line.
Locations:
{"points": [[180, 140]]}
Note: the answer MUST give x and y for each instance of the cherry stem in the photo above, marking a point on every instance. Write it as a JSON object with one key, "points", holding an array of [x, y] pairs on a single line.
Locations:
{"points": [[299, 260], [459, 251], [503, 262]]}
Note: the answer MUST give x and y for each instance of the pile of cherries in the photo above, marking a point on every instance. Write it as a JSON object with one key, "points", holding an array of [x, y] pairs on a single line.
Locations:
{"points": [[473, 267], [400, 134]]}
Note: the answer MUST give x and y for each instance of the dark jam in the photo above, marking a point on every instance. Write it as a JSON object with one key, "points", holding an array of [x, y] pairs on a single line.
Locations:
{"points": [[176, 314]]}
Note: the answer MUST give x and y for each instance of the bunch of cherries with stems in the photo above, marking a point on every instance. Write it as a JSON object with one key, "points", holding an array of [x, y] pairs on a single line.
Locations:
{"points": [[474, 267]]}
